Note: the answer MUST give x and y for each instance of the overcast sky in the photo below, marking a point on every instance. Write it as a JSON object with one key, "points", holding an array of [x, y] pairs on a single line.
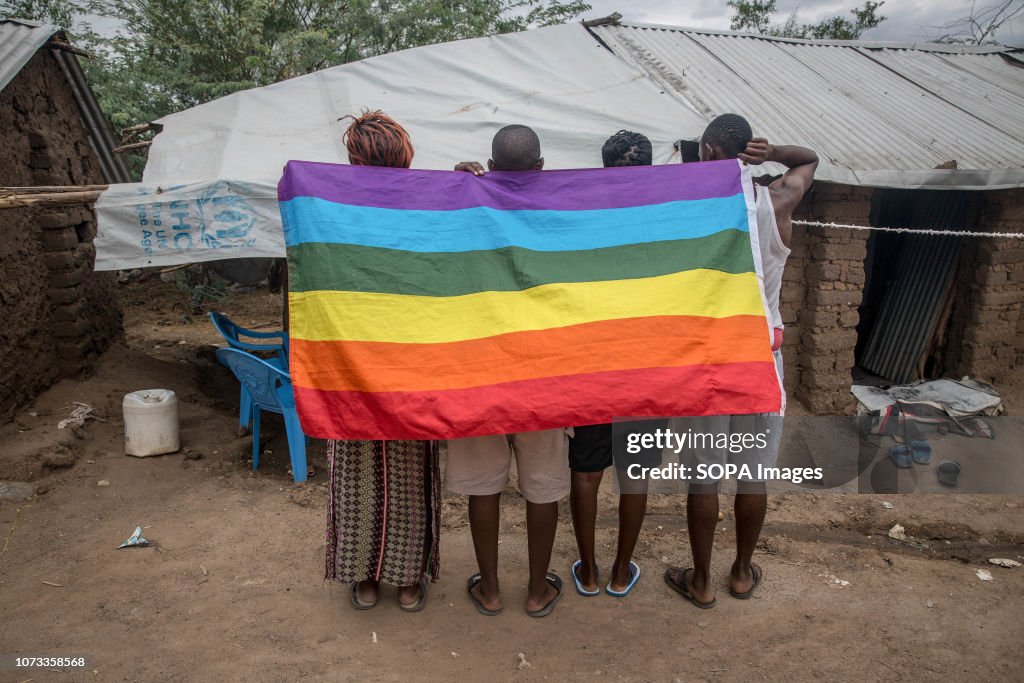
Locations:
{"points": [[905, 19]]}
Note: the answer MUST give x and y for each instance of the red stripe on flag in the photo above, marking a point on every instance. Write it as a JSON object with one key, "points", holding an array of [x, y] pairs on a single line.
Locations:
{"points": [[528, 405]]}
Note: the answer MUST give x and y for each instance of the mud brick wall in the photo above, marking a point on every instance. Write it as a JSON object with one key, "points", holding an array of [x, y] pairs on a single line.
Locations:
{"points": [[58, 315], [822, 287], [987, 331]]}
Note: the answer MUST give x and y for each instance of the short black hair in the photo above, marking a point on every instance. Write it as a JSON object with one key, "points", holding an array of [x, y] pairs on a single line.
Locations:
{"points": [[731, 132], [515, 148], [626, 148], [689, 150]]}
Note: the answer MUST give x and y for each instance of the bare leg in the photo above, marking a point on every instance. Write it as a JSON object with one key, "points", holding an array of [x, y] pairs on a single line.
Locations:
{"points": [[583, 503], [541, 524], [483, 524], [701, 518], [749, 507], [632, 507]]}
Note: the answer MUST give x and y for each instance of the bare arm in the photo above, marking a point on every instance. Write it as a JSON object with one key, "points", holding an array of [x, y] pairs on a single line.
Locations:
{"points": [[801, 163], [788, 190]]}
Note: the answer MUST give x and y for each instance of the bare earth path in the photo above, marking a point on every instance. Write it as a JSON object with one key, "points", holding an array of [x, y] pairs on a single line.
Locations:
{"points": [[233, 589]]}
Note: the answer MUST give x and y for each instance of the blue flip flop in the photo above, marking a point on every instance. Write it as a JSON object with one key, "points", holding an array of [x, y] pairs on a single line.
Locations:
{"points": [[579, 586], [922, 452], [902, 456], [634, 570]]}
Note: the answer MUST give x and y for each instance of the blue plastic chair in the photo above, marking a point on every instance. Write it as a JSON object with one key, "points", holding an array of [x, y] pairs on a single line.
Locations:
{"points": [[270, 389], [233, 334]]}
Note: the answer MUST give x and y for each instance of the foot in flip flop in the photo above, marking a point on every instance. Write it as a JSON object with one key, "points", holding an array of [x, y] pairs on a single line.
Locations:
{"points": [[577, 567], [675, 577], [419, 596], [751, 584], [487, 607], [363, 594], [634, 576], [556, 583]]}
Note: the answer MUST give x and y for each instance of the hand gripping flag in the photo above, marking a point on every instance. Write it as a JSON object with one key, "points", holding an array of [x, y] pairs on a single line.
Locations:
{"points": [[436, 304]]}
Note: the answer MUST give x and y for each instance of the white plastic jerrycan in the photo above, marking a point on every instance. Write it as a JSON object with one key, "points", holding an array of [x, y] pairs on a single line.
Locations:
{"points": [[150, 422]]}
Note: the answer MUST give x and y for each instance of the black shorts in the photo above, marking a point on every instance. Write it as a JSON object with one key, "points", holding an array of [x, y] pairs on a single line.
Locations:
{"points": [[593, 448]]}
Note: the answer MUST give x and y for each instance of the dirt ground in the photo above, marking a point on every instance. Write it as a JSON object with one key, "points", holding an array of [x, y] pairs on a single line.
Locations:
{"points": [[232, 588]]}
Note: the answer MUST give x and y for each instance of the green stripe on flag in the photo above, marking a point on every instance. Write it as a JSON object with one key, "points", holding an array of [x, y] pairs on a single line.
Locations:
{"points": [[346, 267]]}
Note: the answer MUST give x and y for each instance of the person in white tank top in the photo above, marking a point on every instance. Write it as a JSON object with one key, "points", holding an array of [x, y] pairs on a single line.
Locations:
{"points": [[730, 137]]}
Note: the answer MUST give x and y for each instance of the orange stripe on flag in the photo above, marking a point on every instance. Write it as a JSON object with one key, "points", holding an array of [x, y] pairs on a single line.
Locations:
{"points": [[606, 345]]}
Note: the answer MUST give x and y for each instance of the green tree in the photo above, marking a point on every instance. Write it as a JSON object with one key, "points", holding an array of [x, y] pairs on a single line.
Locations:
{"points": [[756, 16], [169, 55], [197, 50], [58, 12]]}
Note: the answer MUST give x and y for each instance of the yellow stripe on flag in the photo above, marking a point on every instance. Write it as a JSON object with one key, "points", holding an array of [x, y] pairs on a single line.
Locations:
{"points": [[368, 316]]}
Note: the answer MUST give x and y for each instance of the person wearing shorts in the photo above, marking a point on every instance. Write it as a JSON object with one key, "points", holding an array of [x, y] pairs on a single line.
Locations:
{"points": [[591, 450], [729, 136], [478, 467]]}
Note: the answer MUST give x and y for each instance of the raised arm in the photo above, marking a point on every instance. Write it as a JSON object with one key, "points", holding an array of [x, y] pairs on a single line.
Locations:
{"points": [[801, 163], [787, 191]]}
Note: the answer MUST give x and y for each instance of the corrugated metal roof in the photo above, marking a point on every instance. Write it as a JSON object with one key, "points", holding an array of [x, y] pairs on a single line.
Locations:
{"points": [[878, 114], [20, 39]]}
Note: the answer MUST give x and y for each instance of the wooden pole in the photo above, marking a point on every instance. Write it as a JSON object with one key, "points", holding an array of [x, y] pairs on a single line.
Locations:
{"points": [[15, 201], [134, 145], [39, 189], [67, 47]]}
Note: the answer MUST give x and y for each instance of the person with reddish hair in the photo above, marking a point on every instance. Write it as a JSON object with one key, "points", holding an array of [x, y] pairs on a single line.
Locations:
{"points": [[383, 503], [376, 139]]}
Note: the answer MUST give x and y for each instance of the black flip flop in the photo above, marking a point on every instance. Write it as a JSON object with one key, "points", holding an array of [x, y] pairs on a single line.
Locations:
{"points": [[547, 609], [422, 601], [683, 590], [472, 581], [354, 597], [746, 595]]}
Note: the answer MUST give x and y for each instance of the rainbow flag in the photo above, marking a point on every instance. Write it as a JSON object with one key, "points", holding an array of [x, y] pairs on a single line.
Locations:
{"points": [[435, 304]]}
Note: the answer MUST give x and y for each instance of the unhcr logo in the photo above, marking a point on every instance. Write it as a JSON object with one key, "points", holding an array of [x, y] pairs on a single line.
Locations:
{"points": [[225, 218]]}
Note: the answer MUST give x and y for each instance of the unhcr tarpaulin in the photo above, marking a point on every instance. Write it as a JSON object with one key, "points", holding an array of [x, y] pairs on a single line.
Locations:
{"points": [[219, 162], [432, 305]]}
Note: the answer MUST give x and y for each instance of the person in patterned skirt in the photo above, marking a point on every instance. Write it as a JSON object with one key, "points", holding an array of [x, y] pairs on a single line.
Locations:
{"points": [[383, 509]]}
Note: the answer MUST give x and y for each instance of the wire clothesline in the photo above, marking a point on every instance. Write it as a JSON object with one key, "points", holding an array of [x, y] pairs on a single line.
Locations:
{"points": [[913, 231]]}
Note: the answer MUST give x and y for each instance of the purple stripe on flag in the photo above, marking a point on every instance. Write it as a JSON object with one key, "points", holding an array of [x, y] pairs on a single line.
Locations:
{"points": [[562, 190]]}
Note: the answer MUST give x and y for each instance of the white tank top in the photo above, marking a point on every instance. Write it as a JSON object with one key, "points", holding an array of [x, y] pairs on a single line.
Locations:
{"points": [[773, 253]]}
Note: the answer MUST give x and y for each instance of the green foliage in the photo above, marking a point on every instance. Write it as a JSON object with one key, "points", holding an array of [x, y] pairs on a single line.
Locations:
{"points": [[57, 12], [170, 55], [196, 50], [756, 16], [753, 16]]}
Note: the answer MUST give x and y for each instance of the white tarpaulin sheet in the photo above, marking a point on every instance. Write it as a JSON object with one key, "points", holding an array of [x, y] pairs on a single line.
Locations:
{"points": [[142, 225], [218, 163]]}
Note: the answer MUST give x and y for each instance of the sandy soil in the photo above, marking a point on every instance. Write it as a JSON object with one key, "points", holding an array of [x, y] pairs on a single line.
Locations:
{"points": [[232, 588]]}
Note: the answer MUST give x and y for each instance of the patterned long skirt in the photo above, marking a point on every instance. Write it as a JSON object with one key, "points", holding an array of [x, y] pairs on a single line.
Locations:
{"points": [[383, 511]]}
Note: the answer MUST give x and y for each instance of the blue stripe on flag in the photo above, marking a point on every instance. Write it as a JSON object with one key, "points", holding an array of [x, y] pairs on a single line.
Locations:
{"points": [[309, 219]]}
